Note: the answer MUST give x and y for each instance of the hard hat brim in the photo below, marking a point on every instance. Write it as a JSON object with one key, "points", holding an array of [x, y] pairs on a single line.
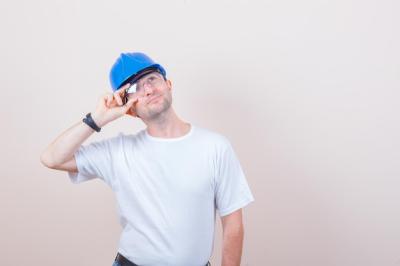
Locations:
{"points": [[135, 77]]}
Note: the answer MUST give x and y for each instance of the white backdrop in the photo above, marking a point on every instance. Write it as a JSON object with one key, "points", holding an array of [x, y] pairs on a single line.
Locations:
{"points": [[306, 91]]}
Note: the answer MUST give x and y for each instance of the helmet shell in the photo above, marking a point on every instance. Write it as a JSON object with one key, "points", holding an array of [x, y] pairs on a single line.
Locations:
{"points": [[128, 65]]}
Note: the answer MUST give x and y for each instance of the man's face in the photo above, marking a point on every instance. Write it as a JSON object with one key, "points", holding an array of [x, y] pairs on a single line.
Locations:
{"points": [[156, 96]]}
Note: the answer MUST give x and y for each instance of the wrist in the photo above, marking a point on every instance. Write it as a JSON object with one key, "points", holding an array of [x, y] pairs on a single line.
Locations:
{"points": [[97, 119], [89, 121]]}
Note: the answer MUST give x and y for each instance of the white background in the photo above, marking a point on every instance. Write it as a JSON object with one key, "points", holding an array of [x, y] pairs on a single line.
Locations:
{"points": [[306, 91]]}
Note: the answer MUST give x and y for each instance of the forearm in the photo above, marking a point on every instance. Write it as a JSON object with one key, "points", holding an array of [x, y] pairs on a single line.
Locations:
{"points": [[64, 146], [232, 247], [109, 108]]}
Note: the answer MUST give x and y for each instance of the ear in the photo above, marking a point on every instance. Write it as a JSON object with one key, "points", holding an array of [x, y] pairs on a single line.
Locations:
{"points": [[132, 112], [169, 84]]}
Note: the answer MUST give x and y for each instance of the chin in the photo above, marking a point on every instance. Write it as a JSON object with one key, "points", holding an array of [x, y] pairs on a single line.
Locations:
{"points": [[155, 109]]}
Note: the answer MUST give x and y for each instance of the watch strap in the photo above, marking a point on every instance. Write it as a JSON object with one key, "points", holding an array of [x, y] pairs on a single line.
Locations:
{"points": [[88, 120]]}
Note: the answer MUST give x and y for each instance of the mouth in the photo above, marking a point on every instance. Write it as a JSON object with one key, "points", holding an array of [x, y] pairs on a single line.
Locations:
{"points": [[153, 98]]}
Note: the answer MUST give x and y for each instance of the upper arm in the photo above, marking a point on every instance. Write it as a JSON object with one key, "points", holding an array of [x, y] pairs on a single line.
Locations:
{"points": [[69, 166], [231, 189], [233, 221]]}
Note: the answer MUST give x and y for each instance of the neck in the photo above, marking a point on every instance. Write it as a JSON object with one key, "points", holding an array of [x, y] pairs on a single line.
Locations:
{"points": [[167, 125]]}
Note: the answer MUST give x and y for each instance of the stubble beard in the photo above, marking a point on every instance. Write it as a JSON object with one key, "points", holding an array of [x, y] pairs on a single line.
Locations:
{"points": [[155, 111]]}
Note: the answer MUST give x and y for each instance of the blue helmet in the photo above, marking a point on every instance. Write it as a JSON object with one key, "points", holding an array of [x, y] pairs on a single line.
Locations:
{"points": [[130, 65]]}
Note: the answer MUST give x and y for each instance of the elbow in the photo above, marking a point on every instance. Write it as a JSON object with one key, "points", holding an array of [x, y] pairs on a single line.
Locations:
{"points": [[45, 159]]}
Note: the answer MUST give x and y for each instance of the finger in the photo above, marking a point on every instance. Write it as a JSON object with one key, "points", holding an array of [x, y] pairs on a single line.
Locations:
{"points": [[104, 99], [121, 91], [118, 98], [131, 112], [128, 106], [130, 103], [109, 99]]}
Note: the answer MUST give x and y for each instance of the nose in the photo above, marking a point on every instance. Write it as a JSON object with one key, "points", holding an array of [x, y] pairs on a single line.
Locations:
{"points": [[148, 89]]}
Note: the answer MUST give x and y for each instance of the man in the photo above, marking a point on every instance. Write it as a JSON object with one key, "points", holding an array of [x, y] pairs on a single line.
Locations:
{"points": [[169, 179]]}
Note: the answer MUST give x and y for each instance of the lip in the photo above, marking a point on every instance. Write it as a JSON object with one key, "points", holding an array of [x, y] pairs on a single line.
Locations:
{"points": [[153, 98]]}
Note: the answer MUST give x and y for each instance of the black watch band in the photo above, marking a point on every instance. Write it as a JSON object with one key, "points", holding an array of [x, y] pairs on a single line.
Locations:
{"points": [[88, 120]]}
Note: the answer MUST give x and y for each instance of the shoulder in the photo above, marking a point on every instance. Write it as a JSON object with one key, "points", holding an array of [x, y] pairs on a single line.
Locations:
{"points": [[213, 138]]}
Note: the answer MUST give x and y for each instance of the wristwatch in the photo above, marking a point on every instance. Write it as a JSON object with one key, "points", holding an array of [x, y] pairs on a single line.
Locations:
{"points": [[88, 120]]}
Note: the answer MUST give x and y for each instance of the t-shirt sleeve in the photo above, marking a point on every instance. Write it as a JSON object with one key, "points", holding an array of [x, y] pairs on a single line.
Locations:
{"points": [[232, 191], [95, 160]]}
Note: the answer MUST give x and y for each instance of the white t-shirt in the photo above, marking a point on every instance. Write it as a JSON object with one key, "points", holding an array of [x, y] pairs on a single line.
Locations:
{"points": [[167, 191]]}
